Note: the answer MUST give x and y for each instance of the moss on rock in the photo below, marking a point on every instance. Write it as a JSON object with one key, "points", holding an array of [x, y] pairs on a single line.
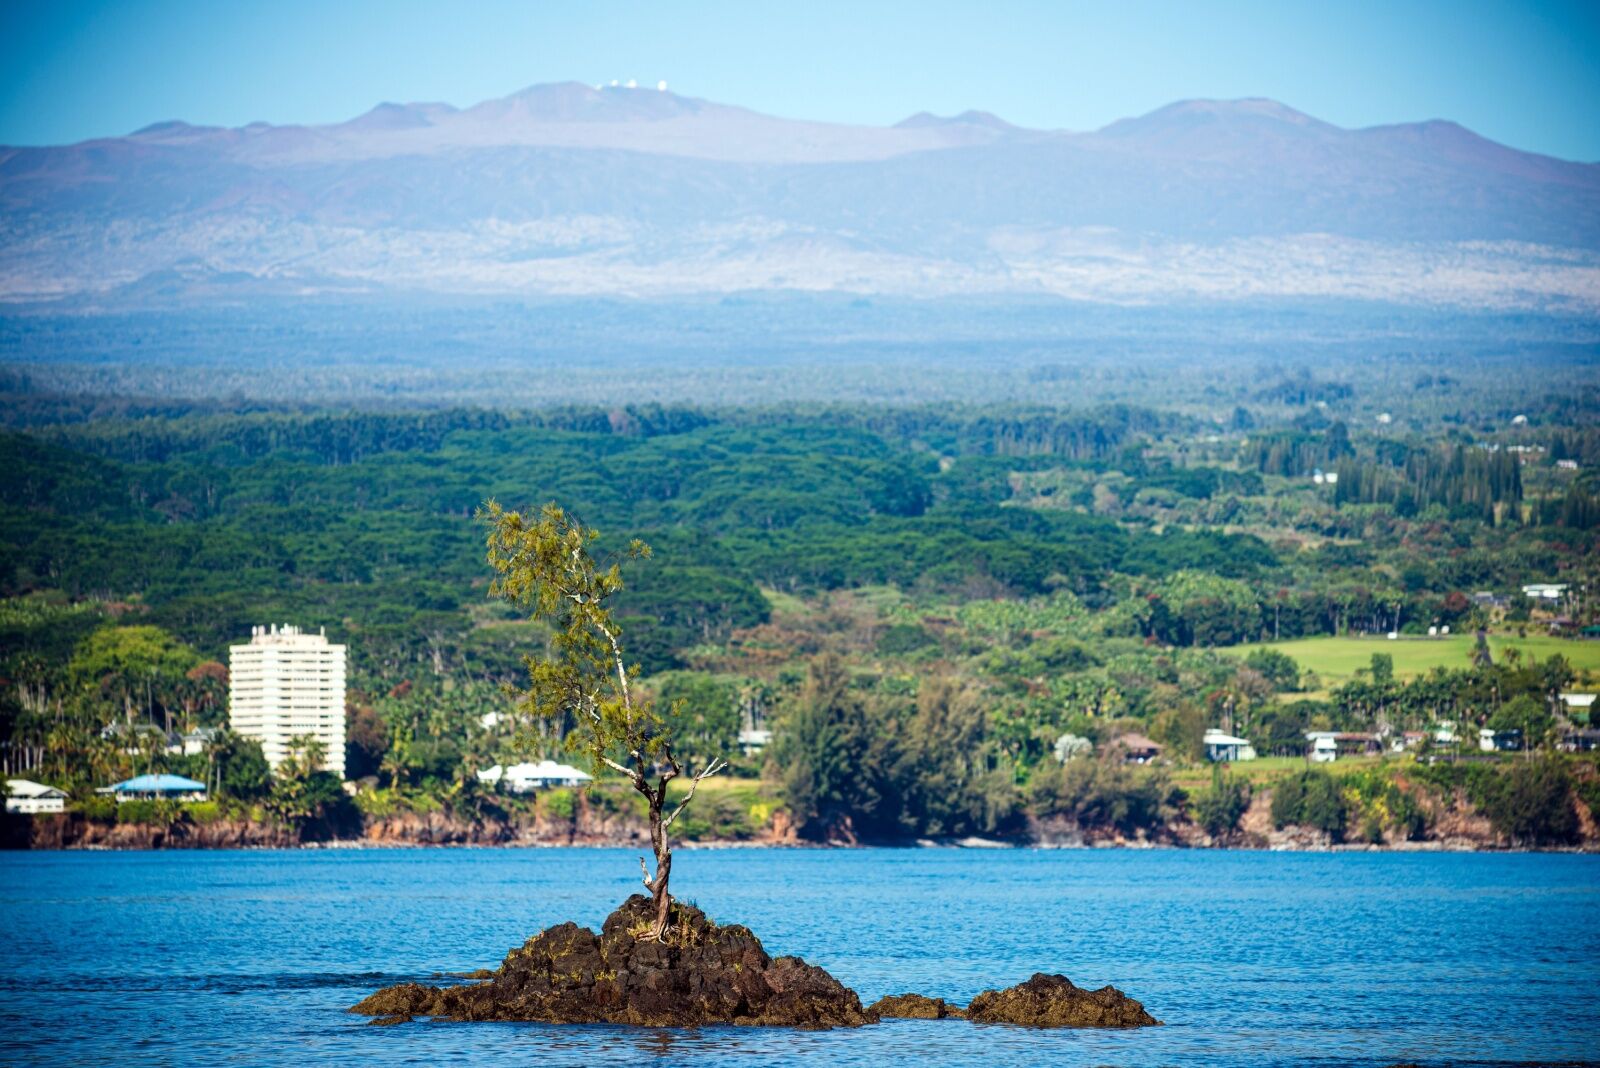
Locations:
{"points": [[917, 1007], [1053, 1001]]}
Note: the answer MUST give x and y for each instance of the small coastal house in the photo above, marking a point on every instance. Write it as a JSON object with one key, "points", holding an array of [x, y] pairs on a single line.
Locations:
{"points": [[193, 743], [1580, 740], [753, 740], [156, 788], [1342, 743], [526, 778], [1544, 591], [1136, 748], [1580, 704], [1493, 741], [136, 738], [1226, 748], [33, 798]]}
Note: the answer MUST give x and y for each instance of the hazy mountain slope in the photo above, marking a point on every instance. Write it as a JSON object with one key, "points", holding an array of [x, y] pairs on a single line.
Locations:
{"points": [[568, 189]]}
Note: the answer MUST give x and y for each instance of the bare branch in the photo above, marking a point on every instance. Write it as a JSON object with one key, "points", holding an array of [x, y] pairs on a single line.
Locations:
{"points": [[622, 671], [705, 773]]}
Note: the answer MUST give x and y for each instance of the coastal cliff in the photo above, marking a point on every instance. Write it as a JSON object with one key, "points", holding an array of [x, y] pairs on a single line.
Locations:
{"points": [[1456, 826]]}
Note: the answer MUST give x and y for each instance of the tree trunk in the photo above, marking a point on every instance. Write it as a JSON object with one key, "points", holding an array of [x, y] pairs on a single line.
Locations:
{"points": [[660, 894]]}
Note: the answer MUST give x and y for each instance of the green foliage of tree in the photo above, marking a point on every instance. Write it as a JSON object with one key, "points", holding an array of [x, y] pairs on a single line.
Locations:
{"points": [[702, 714], [833, 749], [950, 780], [1181, 727], [142, 663], [1200, 608], [156, 812], [239, 767], [1220, 808], [1104, 793], [1310, 798], [1527, 714], [903, 639], [1276, 667], [1531, 803], [302, 794], [583, 685]]}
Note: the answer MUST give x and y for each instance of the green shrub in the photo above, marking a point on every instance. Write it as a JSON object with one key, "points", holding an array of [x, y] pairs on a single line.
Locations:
{"points": [[1310, 799], [1220, 808], [379, 804], [1532, 804], [1376, 802], [150, 813], [559, 803], [903, 639], [98, 807], [1477, 781], [1588, 791], [203, 811], [1102, 793]]}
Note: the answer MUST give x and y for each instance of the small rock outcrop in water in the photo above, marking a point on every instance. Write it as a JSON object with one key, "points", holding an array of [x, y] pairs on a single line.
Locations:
{"points": [[1053, 1001], [916, 1007], [701, 974]]}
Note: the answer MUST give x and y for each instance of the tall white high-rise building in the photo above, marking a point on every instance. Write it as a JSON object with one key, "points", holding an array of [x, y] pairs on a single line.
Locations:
{"points": [[285, 684]]}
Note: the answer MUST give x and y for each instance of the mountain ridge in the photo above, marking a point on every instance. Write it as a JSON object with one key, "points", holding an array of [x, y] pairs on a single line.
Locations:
{"points": [[569, 188]]}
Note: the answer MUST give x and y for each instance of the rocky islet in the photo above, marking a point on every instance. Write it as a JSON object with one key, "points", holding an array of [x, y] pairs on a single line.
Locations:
{"points": [[704, 974]]}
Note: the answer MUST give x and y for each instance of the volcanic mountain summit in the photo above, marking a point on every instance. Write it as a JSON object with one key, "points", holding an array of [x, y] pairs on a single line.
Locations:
{"points": [[569, 189]]}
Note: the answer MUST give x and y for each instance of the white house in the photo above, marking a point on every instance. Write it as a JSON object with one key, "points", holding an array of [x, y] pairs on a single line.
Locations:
{"points": [[1493, 741], [754, 740], [25, 796], [1225, 747], [193, 743], [1579, 702], [525, 778], [1544, 591]]}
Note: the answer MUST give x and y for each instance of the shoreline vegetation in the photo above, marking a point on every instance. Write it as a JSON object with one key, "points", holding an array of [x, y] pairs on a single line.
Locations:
{"points": [[747, 814], [924, 623]]}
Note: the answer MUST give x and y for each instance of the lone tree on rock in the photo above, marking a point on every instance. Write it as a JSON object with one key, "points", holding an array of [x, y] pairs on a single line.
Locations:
{"points": [[546, 566]]}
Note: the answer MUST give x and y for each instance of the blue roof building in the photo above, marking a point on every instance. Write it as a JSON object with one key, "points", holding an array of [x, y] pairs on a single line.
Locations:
{"points": [[155, 787]]}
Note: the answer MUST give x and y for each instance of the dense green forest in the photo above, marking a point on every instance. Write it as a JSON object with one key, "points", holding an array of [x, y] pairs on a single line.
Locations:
{"points": [[937, 609]]}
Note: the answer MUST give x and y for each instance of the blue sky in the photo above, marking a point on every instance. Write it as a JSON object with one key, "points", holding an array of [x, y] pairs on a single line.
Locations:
{"points": [[1524, 74]]}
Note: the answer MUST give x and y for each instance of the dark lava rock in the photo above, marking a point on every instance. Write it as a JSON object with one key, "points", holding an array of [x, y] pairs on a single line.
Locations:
{"points": [[1053, 1001], [917, 1007], [701, 974]]}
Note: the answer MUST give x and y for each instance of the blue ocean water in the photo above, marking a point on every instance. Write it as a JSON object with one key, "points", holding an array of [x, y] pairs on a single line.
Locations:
{"points": [[219, 958]]}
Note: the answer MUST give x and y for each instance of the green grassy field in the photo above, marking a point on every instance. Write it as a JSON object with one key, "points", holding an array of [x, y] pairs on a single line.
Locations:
{"points": [[1271, 768], [1337, 660]]}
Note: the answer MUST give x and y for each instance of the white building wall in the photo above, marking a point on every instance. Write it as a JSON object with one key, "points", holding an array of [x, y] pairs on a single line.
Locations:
{"points": [[286, 683]]}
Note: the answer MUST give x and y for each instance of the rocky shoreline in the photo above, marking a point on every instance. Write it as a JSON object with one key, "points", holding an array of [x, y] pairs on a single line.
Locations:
{"points": [[71, 831], [587, 826]]}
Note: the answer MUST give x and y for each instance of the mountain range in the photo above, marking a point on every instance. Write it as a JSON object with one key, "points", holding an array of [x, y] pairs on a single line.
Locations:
{"points": [[568, 189]]}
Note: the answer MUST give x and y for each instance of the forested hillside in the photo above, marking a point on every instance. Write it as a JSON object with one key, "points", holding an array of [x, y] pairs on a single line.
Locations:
{"points": [[938, 610]]}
